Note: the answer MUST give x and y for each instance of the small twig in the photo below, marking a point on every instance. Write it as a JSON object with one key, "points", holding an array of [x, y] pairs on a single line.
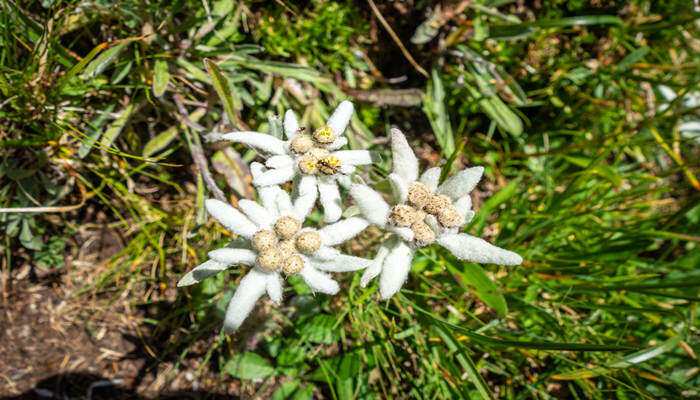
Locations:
{"points": [[396, 39], [185, 116], [197, 153]]}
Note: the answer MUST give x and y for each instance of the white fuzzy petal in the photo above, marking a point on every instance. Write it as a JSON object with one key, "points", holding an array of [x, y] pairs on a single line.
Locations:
{"points": [[339, 142], [317, 280], [667, 92], [431, 178], [233, 220], [282, 161], [274, 287], [470, 248], [356, 157], [259, 141], [376, 266], [399, 187], [252, 286], [256, 213], [461, 183], [342, 231], [291, 125], [305, 195], [330, 200], [406, 234], [405, 162], [463, 205], [256, 169], [284, 203], [274, 176], [346, 169], [690, 126], [341, 117], [371, 204], [202, 272], [233, 256], [395, 270], [339, 262]]}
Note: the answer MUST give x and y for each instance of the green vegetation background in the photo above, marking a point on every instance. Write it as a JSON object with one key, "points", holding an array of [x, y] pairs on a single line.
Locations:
{"points": [[573, 107]]}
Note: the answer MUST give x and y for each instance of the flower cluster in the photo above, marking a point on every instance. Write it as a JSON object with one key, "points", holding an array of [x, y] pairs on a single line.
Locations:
{"points": [[274, 243]]}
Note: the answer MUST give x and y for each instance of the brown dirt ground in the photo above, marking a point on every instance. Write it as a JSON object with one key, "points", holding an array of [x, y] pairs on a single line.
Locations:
{"points": [[58, 344]]}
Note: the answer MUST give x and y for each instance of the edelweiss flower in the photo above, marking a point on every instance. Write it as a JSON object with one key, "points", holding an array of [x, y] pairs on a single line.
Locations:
{"points": [[312, 159], [423, 214], [273, 241]]}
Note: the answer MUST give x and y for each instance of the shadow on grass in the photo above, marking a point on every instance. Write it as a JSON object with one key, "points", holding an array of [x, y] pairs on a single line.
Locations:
{"points": [[78, 385]]}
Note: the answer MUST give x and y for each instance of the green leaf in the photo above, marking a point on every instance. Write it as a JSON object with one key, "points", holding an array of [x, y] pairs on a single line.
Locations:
{"points": [[427, 30], [480, 285], [161, 77], [94, 131], [465, 361], [318, 329], [434, 108], [103, 61], [513, 343], [625, 362], [160, 142], [115, 129], [500, 197], [223, 88], [248, 365]]}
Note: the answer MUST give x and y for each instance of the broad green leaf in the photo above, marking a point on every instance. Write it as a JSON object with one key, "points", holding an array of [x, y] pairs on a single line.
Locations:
{"points": [[160, 142], [633, 57], [318, 329], [223, 88], [248, 365], [103, 61], [500, 197], [625, 362], [434, 108], [494, 107], [115, 129], [427, 30], [480, 285], [161, 77], [582, 20]]}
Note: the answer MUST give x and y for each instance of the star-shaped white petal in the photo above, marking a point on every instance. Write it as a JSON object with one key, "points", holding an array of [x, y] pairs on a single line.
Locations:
{"points": [[283, 159], [414, 222]]}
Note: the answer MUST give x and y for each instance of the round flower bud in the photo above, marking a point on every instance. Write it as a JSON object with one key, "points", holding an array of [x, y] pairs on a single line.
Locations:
{"points": [[308, 164], [329, 165], [269, 259], [292, 265], [450, 218], [263, 240], [324, 135], [286, 227], [287, 247], [423, 234], [420, 215], [319, 153], [402, 215], [437, 203], [308, 242], [301, 144], [418, 194]]}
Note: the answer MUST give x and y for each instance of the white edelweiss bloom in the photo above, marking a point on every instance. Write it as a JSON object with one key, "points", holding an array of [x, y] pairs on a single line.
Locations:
{"points": [[272, 240], [312, 159], [423, 213]]}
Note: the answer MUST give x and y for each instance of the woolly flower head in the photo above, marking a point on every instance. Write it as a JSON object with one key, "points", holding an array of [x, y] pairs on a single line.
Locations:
{"points": [[422, 213], [313, 158], [272, 240]]}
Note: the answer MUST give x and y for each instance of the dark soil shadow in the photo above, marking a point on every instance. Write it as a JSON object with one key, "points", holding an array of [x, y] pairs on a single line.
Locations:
{"points": [[78, 385]]}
